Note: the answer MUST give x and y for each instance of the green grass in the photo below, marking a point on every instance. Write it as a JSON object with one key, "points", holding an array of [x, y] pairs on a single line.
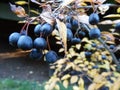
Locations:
{"points": [[9, 84]]}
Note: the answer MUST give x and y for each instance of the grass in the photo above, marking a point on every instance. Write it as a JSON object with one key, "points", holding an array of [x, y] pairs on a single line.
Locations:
{"points": [[9, 84]]}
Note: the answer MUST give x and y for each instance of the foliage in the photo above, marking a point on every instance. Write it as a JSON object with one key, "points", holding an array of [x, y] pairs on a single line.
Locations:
{"points": [[87, 63]]}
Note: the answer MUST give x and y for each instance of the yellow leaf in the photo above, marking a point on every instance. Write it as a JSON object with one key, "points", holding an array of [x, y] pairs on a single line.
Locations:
{"points": [[57, 87], [65, 77], [76, 88], [73, 79], [61, 50], [63, 33], [21, 2], [86, 40], [65, 83], [35, 12], [78, 46], [118, 10], [112, 16], [81, 84], [92, 86], [88, 46]]}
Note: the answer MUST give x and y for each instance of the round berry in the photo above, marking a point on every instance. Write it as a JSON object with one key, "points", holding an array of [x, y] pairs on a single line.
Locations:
{"points": [[51, 56], [36, 54], [13, 38], [94, 18], [25, 42], [37, 30], [40, 43], [94, 33]]}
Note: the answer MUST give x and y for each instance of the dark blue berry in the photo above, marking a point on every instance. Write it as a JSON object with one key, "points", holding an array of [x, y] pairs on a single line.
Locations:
{"points": [[37, 30], [51, 56], [40, 43], [75, 40], [94, 18], [94, 33], [13, 38], [36, 54], [69, 34], [25, 42]]}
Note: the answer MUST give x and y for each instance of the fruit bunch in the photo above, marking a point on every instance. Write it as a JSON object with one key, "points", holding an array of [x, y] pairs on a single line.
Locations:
{"points": [[80, 54]]}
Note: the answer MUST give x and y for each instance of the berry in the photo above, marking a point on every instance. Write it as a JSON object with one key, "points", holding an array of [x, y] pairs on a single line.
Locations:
{"points": [[37, 29], [103, 56], [104, 88], [69, 34], [94, 33], [51, 56], [75, 24], [68, 25], [36, 54], [13, 38], [75, 40], [112, 46], [94, 45], [69, 19], [94, 18], [23, 32], [81, 34], [117, 26], [25, 42], [88, 54], [40, 43], [46, 29]]}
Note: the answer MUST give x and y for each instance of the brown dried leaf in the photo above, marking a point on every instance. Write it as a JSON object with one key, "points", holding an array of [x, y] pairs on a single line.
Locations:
{"points": [[67, 2], [19, 11], [118, 1], [63, 33], [47, 16]]}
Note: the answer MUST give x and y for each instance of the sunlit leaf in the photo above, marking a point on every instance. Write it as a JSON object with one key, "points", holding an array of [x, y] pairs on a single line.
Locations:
{"points": [[65, 77], [61, 50], [112, 16], [19, 11], [53, 83], [63, 33], [35, 12], [88, 46], [57, 87], [21, 2], [86, 40], [74, 79], [103, 8], [58, 42], [92, 86], [76, 87], [78, 46], [81, 84], [118, 10], [65, 83]]}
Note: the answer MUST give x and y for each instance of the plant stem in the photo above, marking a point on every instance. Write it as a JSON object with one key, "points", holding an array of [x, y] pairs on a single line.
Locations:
{"points": [[104, 44], [112, 54]]}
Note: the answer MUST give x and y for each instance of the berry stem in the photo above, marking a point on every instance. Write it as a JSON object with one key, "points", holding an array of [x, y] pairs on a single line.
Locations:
{"points": [[23, 28], [48, 43]]}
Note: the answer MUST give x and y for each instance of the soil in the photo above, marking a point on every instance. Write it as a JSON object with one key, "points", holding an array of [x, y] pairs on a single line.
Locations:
{"points": [[15, 63]]}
